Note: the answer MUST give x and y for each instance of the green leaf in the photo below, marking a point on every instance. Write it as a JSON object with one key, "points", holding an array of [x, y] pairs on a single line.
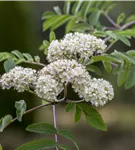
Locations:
{"points": [[45, 46], [69, 107], [106, 57], [81, 27], [127, 32], [130, 81], [107, 66], [52, 36], [57, 10], [123, 73], [70, 24], [110, 7], [124, 56], [60, 21], [9, 64], [5, 121], [28, 57], [124, 40], [130, 18], [121, 18], [38, 145], [94, 69], [63, 147], [37, 59], [2, 148], [111, 34], [17, 54], [67, 7], [66, 134], [47, 14], [92, 116], [94, 18], [20, 109], [42, 127], [85, 8], [131, 52], [116, 70], [77, 115], [76, 7], [49, 22]]}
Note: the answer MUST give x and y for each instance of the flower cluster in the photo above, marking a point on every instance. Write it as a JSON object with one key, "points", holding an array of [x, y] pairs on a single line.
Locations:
{"points": [[75, 45], [64, 68], [19, 78], [47, 87], [97, 91]]}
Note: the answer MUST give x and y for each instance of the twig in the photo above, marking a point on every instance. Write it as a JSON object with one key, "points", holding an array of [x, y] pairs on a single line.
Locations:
{"points": [[125, 26], [55, 123], [109, 46], [30, 110], [111, 21], [75, 101]]}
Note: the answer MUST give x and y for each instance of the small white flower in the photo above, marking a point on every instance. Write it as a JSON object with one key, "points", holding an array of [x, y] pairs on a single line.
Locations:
{"points": [[75, 45], [19, 78]]}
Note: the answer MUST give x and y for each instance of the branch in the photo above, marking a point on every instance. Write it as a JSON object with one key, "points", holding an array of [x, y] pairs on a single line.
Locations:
{"points": [[55, 124], [111, 21], [75, 101], [30, 110], [125, 26]]}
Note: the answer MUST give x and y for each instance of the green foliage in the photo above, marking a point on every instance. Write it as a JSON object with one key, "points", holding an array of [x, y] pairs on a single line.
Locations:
{"points": [[77, 115], [66, 134], [4, 121], [92, 116], [63, 147], [70, 106], [52, 36], [42, 127], [130, 80], [93, 68], [38, 145], [20, 109], [16, 57], [9, 64]]}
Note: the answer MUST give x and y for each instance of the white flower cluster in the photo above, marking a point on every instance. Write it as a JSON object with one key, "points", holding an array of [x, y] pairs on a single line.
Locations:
{"points": [[19, 78], [97, 91], [63, 69], [75, 45], [47, 88]]}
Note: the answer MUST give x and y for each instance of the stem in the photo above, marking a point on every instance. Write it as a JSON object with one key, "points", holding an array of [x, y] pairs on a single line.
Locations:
{"points": [[111, 21], [55, 123], [75, 101], [30, 110], [127, 25]]}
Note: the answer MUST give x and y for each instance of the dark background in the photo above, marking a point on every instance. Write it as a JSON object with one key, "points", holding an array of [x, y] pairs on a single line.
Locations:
{"points": [[21, 29]]}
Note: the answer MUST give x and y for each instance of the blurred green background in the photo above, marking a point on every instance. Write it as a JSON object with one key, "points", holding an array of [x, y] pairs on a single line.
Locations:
{"points": [[21, 29]]}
